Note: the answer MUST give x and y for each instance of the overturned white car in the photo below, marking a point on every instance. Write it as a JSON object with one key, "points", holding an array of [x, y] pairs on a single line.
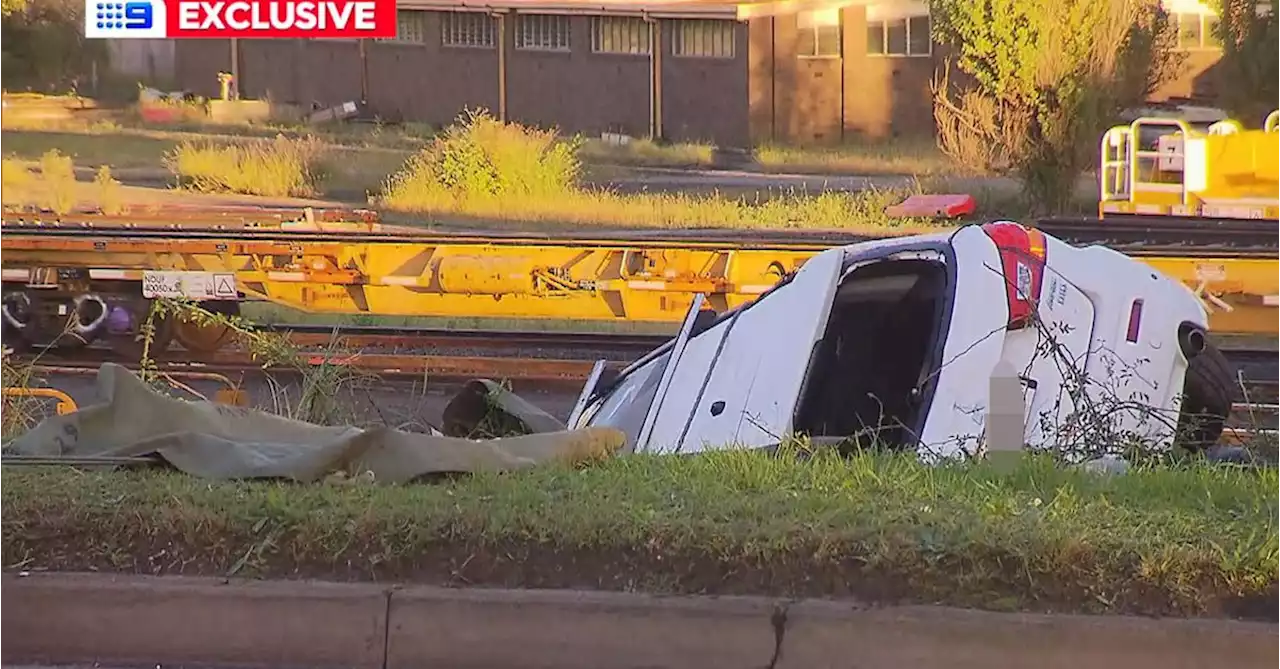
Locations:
{"points": [[895, 341]]}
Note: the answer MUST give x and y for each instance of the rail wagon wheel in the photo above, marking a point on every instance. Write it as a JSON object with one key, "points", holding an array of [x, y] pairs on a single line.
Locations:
{"points": [[201, 338], [129, 345], [206, 337]]}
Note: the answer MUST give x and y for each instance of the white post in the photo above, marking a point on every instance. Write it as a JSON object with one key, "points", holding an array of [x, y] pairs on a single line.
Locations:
{"points": [[1006, 415]]}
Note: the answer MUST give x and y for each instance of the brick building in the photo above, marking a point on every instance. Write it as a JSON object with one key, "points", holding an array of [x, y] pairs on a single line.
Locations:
{"points": [[800, 71]]}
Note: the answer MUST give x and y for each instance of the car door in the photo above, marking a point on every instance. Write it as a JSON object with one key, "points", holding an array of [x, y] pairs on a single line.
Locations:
{"points": [[738, 382]]}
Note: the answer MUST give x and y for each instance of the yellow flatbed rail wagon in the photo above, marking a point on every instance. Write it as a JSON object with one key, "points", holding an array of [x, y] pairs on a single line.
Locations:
{"points": [[1161, 167], [101, 281], [91, 273]]}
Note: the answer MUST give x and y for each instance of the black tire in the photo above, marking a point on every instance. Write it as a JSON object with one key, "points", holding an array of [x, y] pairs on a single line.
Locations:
{"points": [[1207, 395]]}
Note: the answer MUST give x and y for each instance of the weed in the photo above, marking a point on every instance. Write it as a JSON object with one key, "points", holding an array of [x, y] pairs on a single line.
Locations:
{"points": [[276, 168], [109, 197], [16, 182], [20, 412], [58, 172], [14, 174], [319, 384], [481, 159]]}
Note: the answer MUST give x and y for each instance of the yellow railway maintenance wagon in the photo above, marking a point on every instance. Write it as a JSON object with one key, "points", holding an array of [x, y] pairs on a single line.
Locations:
{"points": [[1160, 167], [103, 280]]}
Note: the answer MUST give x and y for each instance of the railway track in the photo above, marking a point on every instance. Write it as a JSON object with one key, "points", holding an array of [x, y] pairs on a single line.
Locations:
{"points": [[381, 338], [1134, 235], [546, 356], [392, 348], [550, 367]]}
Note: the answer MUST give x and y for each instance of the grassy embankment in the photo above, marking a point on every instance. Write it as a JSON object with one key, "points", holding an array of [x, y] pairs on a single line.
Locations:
{"points": [[1195, 541]]}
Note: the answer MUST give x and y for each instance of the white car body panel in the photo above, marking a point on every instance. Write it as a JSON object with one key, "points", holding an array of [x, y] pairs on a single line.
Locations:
{"points": [[757, 377], [739, 382]]}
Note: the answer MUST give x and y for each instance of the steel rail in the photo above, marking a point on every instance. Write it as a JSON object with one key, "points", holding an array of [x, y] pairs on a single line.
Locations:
{"points": [[1134, 238], [716, 238], [426, 339], [535, 359], [429, 367]]}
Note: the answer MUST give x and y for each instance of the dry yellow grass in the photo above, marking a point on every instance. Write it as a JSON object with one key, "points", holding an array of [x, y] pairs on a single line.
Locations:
{"points": [[647, 153], [278, 168], [916, 157], [110, 198]]}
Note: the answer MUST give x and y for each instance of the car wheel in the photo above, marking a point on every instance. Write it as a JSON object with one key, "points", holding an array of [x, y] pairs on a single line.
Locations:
{"points": [[1207, 396]]}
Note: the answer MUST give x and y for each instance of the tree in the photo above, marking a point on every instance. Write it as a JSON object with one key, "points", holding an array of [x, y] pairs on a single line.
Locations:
{"points": [[1041, 81], [1248, 72], [44, 45], [8, 7]]}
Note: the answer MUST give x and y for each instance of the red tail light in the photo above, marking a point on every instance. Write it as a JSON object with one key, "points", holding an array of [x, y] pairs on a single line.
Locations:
{"points": [[1022, 257]]}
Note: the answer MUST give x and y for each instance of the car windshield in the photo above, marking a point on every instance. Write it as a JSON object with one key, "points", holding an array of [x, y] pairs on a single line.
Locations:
{"points": [[626, 404]]}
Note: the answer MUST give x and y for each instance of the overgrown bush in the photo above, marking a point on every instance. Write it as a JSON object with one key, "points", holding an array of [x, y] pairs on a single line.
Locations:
{"points": [[59, 175], [483, 168], [1044, 80], [14, 174], [110, 200], [1248, 80], [278, 168], [481, 158]]}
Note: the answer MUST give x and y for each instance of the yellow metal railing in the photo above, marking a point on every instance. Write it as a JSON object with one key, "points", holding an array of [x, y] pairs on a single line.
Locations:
{"points": [[65, 404]]}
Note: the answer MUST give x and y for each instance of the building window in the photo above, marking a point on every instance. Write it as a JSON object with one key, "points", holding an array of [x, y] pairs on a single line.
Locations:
{"points": [[1197, 31], [468, 29], [411, 27], [704, 38], [611, 34], [818, 33], [543, 32], [895, 34]]}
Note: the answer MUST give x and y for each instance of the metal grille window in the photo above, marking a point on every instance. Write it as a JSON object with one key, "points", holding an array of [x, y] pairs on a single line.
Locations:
{"points": [[898, 35], [704, 38], [818, 34], [610, 34], [468, 29], [411, 27], [544, 32], [1197, 31]]}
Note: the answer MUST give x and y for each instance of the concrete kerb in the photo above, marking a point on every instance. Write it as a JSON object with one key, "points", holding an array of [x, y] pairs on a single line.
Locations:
{"points": [[532, 629], [82, 618], [821, 634], [70, 618]]}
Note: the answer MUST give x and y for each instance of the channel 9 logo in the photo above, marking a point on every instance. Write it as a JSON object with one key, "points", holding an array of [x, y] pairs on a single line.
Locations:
{"points": [[252, 19], [133, 19]]}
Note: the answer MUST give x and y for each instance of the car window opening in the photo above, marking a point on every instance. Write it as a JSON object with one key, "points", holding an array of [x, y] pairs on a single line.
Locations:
{"points": [[873, 354], [705, 321]]}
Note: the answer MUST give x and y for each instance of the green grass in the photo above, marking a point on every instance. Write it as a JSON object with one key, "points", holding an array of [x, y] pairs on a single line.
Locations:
{"points": [[1195, 541]]}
